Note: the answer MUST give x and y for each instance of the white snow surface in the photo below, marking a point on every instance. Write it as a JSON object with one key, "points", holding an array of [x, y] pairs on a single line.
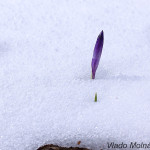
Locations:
{"points": [[46, 90]]}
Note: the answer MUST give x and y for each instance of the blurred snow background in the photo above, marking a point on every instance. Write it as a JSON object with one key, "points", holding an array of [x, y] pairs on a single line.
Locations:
{"points": [[46, 91]]}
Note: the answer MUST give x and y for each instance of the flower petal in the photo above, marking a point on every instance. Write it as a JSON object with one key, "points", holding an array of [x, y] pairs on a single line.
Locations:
{"points": [[97, 53]]}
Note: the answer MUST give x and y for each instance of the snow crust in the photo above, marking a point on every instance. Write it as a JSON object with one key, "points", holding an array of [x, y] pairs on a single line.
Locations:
{"points": [[46, 90]]}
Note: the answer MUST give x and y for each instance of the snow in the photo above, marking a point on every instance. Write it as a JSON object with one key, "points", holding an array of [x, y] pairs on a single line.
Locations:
{"points": [[46, 90]]}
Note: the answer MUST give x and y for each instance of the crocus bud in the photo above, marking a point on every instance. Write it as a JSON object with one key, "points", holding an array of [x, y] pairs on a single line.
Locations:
{"points": [[97, 53]]}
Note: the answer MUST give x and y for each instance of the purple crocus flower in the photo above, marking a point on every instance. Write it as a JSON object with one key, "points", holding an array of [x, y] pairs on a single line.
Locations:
{"points": [[97, 53]]}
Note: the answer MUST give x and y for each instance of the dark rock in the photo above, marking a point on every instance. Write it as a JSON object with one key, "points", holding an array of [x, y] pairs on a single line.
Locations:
{"points": [[56, 147]]}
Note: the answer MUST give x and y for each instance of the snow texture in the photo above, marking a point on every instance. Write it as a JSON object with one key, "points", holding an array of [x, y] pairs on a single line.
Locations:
{"points": [[46, 90]]}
